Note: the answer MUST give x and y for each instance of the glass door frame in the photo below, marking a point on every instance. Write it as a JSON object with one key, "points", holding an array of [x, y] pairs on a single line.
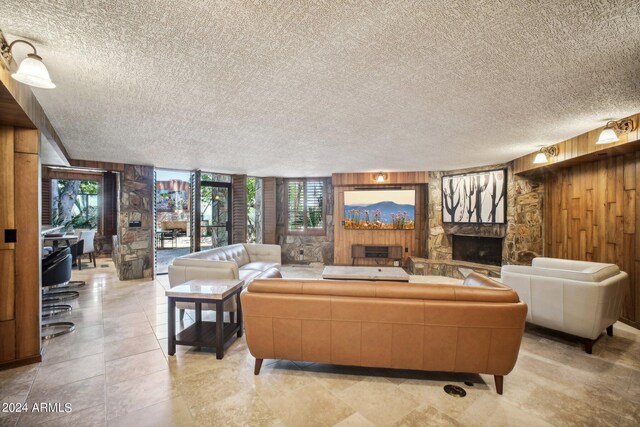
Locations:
{"points": [[197, 220]]}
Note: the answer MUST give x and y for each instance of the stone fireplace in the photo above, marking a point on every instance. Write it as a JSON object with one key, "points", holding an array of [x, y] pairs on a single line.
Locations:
{"points": [[477, 249], [519, 238]]}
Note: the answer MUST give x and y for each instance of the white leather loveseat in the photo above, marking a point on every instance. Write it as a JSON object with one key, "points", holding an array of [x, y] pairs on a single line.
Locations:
{"points": [[577, 297], [242, 261]]}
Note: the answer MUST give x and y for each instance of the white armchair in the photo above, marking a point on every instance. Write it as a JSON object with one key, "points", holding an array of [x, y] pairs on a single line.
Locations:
{"points": [[577, 297]]}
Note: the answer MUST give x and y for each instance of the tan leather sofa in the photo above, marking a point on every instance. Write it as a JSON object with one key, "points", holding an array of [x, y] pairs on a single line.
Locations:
{"points": [[242, 261], [476, 327], [581, 298]]}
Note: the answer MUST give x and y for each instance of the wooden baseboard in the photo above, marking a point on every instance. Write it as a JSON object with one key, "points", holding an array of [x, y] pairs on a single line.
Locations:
{"points": [[630, 322], [20, 362]]}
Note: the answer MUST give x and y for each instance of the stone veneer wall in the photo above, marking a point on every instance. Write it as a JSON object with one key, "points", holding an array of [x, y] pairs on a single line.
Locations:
{"points": [[135, 248], [523, 237], [316, 248]]}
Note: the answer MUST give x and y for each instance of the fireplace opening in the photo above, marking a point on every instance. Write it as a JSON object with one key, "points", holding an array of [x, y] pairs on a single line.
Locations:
{"points": [[478, 249]]}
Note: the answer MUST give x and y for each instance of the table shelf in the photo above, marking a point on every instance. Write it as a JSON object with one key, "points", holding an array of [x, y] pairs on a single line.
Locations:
{"points": [[203, 334]]}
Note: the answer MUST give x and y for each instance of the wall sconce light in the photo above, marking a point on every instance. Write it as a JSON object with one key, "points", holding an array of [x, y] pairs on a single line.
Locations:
{"points": [[544, 154], [32, 70], [380, 177], [613, 129]]}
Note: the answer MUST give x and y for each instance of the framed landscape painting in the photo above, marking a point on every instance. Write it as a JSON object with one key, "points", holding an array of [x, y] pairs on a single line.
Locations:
{"points": [[379, 209], [476, 198]]}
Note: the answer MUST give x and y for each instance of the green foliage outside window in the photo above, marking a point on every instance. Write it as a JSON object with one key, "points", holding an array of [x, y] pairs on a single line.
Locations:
{"points": [[74, 203]]}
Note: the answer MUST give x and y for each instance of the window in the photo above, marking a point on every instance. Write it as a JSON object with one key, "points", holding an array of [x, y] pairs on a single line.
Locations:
{"points": [[75, 203], [305, 210]]}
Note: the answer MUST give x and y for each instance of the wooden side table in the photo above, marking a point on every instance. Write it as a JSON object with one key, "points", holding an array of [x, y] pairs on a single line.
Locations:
{"points": [[203, 333]]}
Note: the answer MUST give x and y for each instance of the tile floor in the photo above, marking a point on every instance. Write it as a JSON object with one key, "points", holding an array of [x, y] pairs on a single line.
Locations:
{"points": [[114, 371]]}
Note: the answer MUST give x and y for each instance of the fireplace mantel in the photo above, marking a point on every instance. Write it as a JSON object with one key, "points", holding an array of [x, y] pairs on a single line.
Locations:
{"points": [[480, 230]]}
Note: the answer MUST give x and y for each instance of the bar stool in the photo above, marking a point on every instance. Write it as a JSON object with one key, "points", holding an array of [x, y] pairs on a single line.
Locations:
{"points": [[56, 271]]}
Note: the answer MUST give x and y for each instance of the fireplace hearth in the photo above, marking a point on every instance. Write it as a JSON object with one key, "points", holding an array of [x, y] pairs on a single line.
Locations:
{"points": [[477, 249]]}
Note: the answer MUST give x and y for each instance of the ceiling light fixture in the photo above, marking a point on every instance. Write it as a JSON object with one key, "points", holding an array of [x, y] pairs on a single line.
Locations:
{"points": [[613, 129], [32, 70], [545, 153], [380, 177]]}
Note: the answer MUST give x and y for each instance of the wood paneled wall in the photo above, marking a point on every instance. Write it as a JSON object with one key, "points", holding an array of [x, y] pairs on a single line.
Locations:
{"points": [[109, 204], [269, 217], [71, 174], [369, 178], [20, 261], [580, 149], [412, 241], [114, 167], [24, 99], [45, 186], [592, 215]]}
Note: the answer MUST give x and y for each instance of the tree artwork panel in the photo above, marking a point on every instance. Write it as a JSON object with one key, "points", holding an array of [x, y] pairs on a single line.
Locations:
{"points": [[476, 198]]}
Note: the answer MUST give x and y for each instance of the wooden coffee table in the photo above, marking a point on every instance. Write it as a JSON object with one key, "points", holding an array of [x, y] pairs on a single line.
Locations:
{"points": [[203, 333], [390, 274]]}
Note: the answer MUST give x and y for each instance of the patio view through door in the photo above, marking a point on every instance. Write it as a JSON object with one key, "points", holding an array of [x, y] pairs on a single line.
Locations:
{"points": [[215, 218], [172, 216]]}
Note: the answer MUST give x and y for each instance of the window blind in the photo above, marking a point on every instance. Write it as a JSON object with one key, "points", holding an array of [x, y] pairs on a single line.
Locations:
{"points": [[305, 205]]}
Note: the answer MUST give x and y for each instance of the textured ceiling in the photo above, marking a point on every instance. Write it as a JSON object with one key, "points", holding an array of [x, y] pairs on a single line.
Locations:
{"points": [[314, 87]]}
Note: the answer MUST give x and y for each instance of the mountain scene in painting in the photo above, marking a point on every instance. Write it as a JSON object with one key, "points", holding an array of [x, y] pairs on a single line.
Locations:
{"points": [[387, 210]]}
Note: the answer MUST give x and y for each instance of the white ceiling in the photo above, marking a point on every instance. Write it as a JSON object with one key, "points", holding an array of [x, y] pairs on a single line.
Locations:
{"points": [[307, 88]]}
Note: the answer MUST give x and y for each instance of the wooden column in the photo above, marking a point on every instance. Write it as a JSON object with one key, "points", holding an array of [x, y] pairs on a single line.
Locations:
{"points": [[239, 209], [19, 261], [269, 209], [109, 204], [45, 190], [7, 250]]}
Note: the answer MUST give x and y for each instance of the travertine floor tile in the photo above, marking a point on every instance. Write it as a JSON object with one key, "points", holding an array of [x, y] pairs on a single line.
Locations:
{"points": [[94, 417], [69, 371], [169, 413], [309, 405], [430, 416], [134, 366], [115, 367], [366, 398], [56, 352], [355, 420], [130, 346], [137, 393], [241, 409], [117, 333], [80, 395]]}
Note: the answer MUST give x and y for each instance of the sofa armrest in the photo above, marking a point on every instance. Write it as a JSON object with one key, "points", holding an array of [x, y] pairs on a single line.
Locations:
{"points": [[589, 271], [555, 273], [264, 253]]}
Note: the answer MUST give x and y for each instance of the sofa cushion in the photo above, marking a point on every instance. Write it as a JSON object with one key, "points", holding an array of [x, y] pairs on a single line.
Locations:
{"points": [[216, 254], [237, 253], [260, 266]]}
